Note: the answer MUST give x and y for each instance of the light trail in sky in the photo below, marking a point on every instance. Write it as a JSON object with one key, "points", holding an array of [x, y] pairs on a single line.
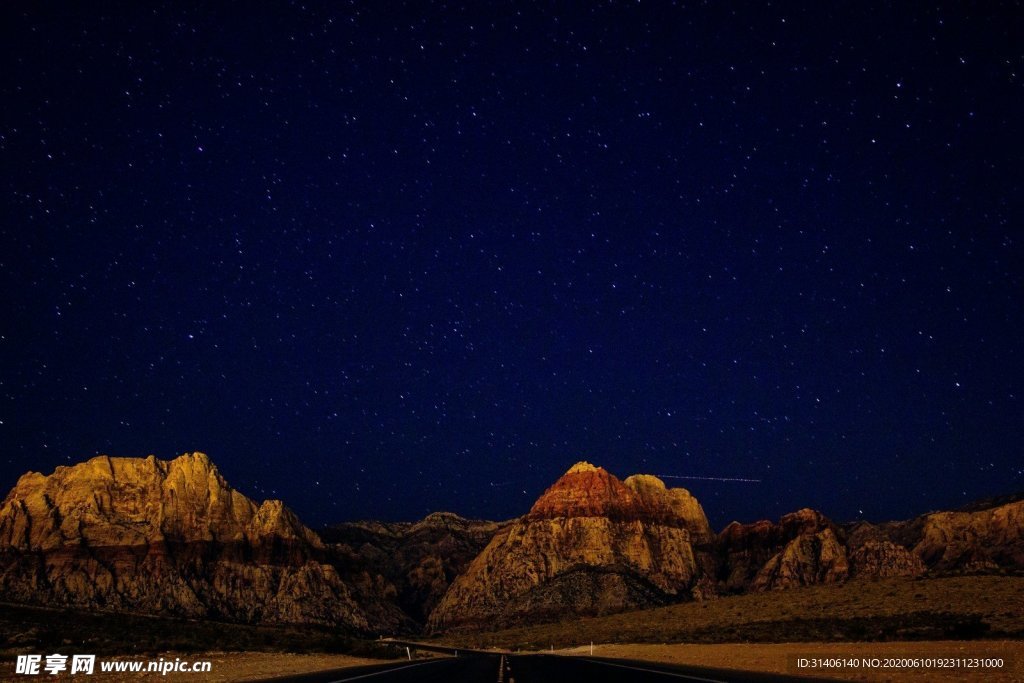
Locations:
{"points": [[676, 476]]}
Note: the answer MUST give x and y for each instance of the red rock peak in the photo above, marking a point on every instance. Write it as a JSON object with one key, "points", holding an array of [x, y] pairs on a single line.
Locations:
{"points": [[584, 491]]}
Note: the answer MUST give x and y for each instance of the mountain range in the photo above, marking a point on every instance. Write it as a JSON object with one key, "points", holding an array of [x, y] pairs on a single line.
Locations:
{"points": [[147, 536]]}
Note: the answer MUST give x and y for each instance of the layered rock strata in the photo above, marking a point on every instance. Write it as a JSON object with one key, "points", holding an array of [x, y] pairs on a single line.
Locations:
{"points": [[170, 538], [591, 544]]}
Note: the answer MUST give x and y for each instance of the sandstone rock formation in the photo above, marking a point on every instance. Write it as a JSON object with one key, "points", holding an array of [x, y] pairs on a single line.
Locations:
{"points": [[796, 551], [170, 537], [591, 544], [979, 538], [806, 548], [807, 560], [881, 559]]}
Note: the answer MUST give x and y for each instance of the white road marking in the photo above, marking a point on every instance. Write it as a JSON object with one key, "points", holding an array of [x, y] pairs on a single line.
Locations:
{"points": [[387, 671], [656, 671]]}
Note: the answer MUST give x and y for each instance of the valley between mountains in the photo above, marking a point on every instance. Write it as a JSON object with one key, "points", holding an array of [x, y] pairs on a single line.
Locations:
{"points": [[144, 536]]}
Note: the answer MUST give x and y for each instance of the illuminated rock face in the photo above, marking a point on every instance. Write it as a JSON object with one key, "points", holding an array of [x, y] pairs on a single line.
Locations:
{"points": [[588, 491], [806, 548], [134, 501], [976, 540], [172, 538], [986, 536], [144, 535], [591, 544]]}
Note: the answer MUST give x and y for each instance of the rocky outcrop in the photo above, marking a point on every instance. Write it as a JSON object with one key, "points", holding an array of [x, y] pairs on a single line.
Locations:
{"points": [[806, 548], [170, 538], [807, 560], [119, 502], [881, 559], [173, 538], [765, 555], [420, 559], [981, 537], [589, 491], [591, 544], [585, 491], [972, 541], [673, 506]]}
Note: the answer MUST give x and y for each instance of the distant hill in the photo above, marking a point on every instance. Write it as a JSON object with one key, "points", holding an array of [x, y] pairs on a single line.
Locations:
{"points": [[994, 502]]}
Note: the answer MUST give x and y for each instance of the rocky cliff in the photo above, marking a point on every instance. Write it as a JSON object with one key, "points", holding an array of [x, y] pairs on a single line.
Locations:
{"points": [[985, 536], [806, 548], [591, 544], [803, 548], [171, 538]]}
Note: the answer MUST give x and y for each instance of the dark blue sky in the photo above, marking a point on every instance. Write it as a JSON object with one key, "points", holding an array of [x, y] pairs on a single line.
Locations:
{"points": [[379, 259]]}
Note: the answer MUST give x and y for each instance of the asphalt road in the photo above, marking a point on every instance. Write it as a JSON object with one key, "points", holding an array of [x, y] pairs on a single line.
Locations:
{"points": [[480, 668]]}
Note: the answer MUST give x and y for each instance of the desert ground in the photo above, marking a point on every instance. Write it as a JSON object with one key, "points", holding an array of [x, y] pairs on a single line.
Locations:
{"points": [[962, 608], [766, 657], [781, 658], [956, 616]]}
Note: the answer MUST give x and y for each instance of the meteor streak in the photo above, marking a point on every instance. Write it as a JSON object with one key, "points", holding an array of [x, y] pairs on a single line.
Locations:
{"points": [[676, 476]]}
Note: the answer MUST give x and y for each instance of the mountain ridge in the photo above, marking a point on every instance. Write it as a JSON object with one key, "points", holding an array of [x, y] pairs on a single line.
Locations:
{"points": [[592, 534], [172, 537]]}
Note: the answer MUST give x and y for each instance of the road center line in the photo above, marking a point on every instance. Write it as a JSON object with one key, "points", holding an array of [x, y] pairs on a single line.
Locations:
{"points": [[387, 671], [656, 671]]}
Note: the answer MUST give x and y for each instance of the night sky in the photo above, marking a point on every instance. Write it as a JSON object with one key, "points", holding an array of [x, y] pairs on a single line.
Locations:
{"points": [[381, 259]]}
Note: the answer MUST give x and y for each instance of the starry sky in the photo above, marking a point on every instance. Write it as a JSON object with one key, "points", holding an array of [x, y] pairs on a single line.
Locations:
{"points": [[379, 258]]}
